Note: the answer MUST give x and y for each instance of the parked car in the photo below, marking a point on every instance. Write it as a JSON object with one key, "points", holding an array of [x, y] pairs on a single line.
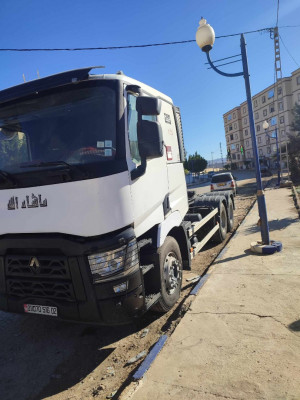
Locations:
{"points": [[223, 181], [210, 174]]}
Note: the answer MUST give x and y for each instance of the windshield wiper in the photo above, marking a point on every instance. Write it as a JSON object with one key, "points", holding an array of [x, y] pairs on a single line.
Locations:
{"points": [[8, 177], [42, 164]]}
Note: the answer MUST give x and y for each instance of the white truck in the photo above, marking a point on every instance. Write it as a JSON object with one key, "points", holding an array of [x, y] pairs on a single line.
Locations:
{"points": [[96, 224]]}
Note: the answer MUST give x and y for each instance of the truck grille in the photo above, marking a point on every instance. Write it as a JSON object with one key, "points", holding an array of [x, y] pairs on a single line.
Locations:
{"points": [[44, 289], [56, 267], [43, 277]]}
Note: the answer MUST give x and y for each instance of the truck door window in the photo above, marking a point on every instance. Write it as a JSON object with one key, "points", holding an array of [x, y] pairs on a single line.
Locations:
{"points": [[132, 130]]}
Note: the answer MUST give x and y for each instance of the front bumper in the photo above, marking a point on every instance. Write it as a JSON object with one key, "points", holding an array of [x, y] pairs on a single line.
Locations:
{"points": [[65, 281]]}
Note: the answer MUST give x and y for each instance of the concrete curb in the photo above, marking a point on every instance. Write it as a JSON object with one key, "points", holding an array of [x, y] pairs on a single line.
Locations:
{"points": [[296, 199]]}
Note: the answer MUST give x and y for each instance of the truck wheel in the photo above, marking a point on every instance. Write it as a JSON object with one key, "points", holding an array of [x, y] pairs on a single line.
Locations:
{"points": [[170, 265], [220, 235], [230, 216]]}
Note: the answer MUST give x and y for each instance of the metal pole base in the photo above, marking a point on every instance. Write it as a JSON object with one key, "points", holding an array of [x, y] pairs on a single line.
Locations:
{"points": [[260, 248]]}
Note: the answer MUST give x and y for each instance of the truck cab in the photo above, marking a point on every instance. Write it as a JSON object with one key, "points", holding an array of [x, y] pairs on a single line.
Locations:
{"points": [[91, 185]]}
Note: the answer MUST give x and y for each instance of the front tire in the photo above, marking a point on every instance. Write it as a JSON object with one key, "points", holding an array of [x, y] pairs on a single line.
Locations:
{"points": [[170, 266]]}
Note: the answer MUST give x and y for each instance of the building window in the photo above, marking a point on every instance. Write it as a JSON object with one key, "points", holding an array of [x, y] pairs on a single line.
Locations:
{"points": [[272, 108], [282, 133], [229, 117], [230, 127], [263, 99], [270, 94], [248, 154], [256, 115], [235, 125], [233, 156], [255, 103], [247, 143], [227, 138], [258, 128], [280, 106], [238, 156], [245, 120], [246, 132], [298, 80], [231, 137], [244, 110], [265, 112], [279, 90], [267, 140], [234, 115], [226, 129], [273, 121], [233, 147], [269, 150], [281, 119], [259, 139], [236, 136], [260, 152]]}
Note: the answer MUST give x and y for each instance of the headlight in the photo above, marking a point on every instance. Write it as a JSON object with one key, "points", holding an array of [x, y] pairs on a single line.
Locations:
{"points": [[112, 262]]}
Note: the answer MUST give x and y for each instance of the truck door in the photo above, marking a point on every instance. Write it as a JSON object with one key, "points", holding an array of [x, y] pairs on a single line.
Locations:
{"points": [[149, 190]]}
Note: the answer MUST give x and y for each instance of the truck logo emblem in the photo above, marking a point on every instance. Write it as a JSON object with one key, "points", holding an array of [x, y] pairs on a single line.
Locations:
{"points": [[34, 264], [34, 202]]}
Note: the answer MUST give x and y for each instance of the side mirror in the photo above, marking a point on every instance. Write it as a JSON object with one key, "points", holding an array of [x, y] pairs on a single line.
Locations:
{"points": [[148, 105], [150, 139]]}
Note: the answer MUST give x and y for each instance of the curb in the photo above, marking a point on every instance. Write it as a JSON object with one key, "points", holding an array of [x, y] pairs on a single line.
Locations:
{"points": [[296, 199]]}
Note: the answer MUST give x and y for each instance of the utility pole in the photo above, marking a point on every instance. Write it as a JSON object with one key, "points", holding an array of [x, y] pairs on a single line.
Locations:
{"points": [[221, 154], [278, 73], [212, 160]]}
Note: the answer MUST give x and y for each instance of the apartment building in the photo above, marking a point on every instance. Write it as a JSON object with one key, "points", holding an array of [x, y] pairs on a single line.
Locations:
{"points": [[274, 104]]}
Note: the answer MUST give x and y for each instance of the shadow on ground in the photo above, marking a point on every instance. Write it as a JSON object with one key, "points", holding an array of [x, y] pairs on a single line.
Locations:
{"points": [[274, 225]]}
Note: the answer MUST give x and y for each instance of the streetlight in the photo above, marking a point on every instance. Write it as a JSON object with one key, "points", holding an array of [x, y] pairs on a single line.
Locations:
{"points": [[205, 38], [266, 126]]}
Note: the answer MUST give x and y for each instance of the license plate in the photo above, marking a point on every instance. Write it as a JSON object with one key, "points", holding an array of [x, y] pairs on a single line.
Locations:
{"points": [[221, 184], [44, 310]]}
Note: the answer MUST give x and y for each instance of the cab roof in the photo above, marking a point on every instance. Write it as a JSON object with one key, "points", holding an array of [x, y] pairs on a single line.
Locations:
{"points": [[67, 77]]}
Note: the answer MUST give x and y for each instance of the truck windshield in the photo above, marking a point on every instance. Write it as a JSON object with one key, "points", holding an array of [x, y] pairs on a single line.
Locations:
{"points": [[71, 126]]}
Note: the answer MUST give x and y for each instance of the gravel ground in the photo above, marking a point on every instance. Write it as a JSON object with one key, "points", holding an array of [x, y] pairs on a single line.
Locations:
{"points": [[48, 359]]}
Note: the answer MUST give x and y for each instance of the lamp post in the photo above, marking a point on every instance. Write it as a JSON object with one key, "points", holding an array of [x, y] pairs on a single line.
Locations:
{"points": [[205, 38], [266, 126]]}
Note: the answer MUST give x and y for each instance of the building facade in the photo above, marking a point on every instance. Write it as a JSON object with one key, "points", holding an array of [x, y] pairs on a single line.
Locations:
{"points": [[274, 105]]}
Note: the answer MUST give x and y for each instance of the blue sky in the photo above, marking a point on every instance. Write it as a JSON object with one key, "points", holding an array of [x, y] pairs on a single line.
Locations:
{"points": [[179, 71]]}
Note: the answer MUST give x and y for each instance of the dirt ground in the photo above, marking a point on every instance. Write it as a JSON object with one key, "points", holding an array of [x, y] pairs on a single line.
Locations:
{"points": [[48, 359]]}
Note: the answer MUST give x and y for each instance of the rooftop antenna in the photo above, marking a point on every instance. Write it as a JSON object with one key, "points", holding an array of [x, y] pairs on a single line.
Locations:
{"points": [[38, 73], [24, 78]]}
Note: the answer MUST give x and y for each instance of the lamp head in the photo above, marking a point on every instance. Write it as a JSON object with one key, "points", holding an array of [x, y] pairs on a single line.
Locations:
{"points": [[265, 125], [205, 36]]}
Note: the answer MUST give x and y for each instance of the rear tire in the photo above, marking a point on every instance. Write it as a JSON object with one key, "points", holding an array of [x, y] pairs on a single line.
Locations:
{"points": [[170, 265], [220, 235], [230, 216]]}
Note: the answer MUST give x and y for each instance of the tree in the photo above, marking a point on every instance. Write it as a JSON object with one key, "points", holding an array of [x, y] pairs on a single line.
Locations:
{"points": [[294, 145], [195, 163]]}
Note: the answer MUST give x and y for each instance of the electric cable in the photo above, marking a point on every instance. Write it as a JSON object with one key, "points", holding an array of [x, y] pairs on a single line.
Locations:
{"points": [[134, 46], [289, 52]]}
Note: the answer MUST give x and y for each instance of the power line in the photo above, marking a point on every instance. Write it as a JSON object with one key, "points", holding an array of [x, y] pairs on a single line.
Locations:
{"points": [[137, 45], [289, 52], [129, 46]]}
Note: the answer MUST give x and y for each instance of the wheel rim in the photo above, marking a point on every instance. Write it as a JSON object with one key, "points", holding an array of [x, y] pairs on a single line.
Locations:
{"points": [[172, 272]]}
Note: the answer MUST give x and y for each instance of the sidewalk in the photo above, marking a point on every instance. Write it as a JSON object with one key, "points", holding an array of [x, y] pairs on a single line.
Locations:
{"points": [[241, 337]]}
